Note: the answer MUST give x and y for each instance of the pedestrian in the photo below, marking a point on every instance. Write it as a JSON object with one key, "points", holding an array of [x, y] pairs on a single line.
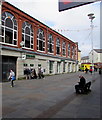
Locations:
{"points": [[91, 71], [33, 74], [86, 70], [29, 73], [26, 73], [39, 72], [100, 71], [12, 77], [42, 71]]}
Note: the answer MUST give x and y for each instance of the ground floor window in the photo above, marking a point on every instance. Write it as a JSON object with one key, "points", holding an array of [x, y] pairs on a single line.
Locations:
{"points": [[58, 67], [69, 67], [51, 66], [64, 66]]}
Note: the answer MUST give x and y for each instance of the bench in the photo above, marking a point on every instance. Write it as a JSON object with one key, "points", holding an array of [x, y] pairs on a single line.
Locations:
{"points": [[85, 89]]}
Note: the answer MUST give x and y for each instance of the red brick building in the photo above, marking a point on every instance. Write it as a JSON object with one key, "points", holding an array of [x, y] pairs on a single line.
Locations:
{"points": [[28, 43]]}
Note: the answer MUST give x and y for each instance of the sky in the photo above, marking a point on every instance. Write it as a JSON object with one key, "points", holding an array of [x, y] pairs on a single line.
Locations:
{"points": [[73, 23]]}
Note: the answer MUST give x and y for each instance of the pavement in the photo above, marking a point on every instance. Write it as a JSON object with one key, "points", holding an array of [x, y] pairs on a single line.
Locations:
{"points": [[52, 97]]}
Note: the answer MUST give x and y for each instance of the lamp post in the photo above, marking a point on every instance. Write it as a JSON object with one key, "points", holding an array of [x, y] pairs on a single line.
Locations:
{"points": [[91, 17]]}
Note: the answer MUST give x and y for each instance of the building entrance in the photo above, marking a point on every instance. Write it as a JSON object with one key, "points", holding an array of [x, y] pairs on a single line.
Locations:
{"points": [[7, 64]]}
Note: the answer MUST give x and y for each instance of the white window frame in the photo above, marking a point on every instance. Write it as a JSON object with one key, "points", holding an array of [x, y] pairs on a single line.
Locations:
{"points": [[50, 42], [58, 45], [64, 48], [40, 31], [8, 16], [31, 35]]}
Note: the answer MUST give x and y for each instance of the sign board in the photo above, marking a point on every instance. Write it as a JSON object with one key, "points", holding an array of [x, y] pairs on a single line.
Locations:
{"points": [[68, 4], [30, 56]]}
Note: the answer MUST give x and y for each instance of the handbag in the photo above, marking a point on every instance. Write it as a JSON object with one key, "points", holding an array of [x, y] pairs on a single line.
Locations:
{"points": [[13, 78]]}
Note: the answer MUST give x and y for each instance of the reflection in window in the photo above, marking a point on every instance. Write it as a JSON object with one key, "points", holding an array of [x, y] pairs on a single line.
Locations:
{"points": [[27, 35], [58, 46], [40, 40], [50, 43], [8, 29], [64, 48]]}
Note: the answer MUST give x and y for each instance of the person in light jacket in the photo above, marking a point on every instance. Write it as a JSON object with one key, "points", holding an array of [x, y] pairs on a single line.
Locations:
{"points": [[12, 77]]}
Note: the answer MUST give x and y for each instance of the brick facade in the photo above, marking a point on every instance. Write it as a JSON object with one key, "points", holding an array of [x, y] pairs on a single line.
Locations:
{"points": [[42, 57]]}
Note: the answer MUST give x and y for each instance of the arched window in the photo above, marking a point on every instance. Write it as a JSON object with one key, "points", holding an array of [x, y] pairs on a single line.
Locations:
{"points": [[27, 35], [58, 46], [64, 48], [40, 40], [50, 43], [8, 29]]}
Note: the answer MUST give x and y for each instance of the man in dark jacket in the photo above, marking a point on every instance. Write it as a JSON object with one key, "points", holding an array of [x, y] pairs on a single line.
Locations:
{"points": [[81, 84], [82, 81]]}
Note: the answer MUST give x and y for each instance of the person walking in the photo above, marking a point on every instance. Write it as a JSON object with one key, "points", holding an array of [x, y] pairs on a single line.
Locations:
{"points": [[33, 74], [86, 70], [12, 77], [91, 71], [39, 72], [42, 71], [100, 71]]}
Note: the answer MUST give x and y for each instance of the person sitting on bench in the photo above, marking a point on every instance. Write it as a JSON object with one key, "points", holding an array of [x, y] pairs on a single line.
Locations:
{"points": [[83, 87], [81, 84]]}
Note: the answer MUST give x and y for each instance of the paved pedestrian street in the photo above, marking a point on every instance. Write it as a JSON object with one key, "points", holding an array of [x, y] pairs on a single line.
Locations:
{"points": [[52, 97]]}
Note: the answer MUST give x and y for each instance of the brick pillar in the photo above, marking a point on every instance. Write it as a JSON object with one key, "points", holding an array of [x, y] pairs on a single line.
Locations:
{"points": [[19, 32], [70, 51], [66, 49], [35, 37], [46, 40], [61, 42]]}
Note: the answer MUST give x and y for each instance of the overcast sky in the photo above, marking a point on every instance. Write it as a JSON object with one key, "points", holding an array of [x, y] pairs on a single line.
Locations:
{"points": [[73, 23]]}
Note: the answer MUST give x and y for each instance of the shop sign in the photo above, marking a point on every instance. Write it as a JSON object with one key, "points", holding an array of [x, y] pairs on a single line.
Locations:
{"points": [[62, 60], [30, 56]]}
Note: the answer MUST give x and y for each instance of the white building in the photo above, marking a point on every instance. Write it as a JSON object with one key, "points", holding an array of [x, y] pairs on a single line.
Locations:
{"points": [[97, 56], [85, 59]]}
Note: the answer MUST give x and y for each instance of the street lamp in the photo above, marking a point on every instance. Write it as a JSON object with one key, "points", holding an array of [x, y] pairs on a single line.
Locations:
{"points": [[91, 17]]}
